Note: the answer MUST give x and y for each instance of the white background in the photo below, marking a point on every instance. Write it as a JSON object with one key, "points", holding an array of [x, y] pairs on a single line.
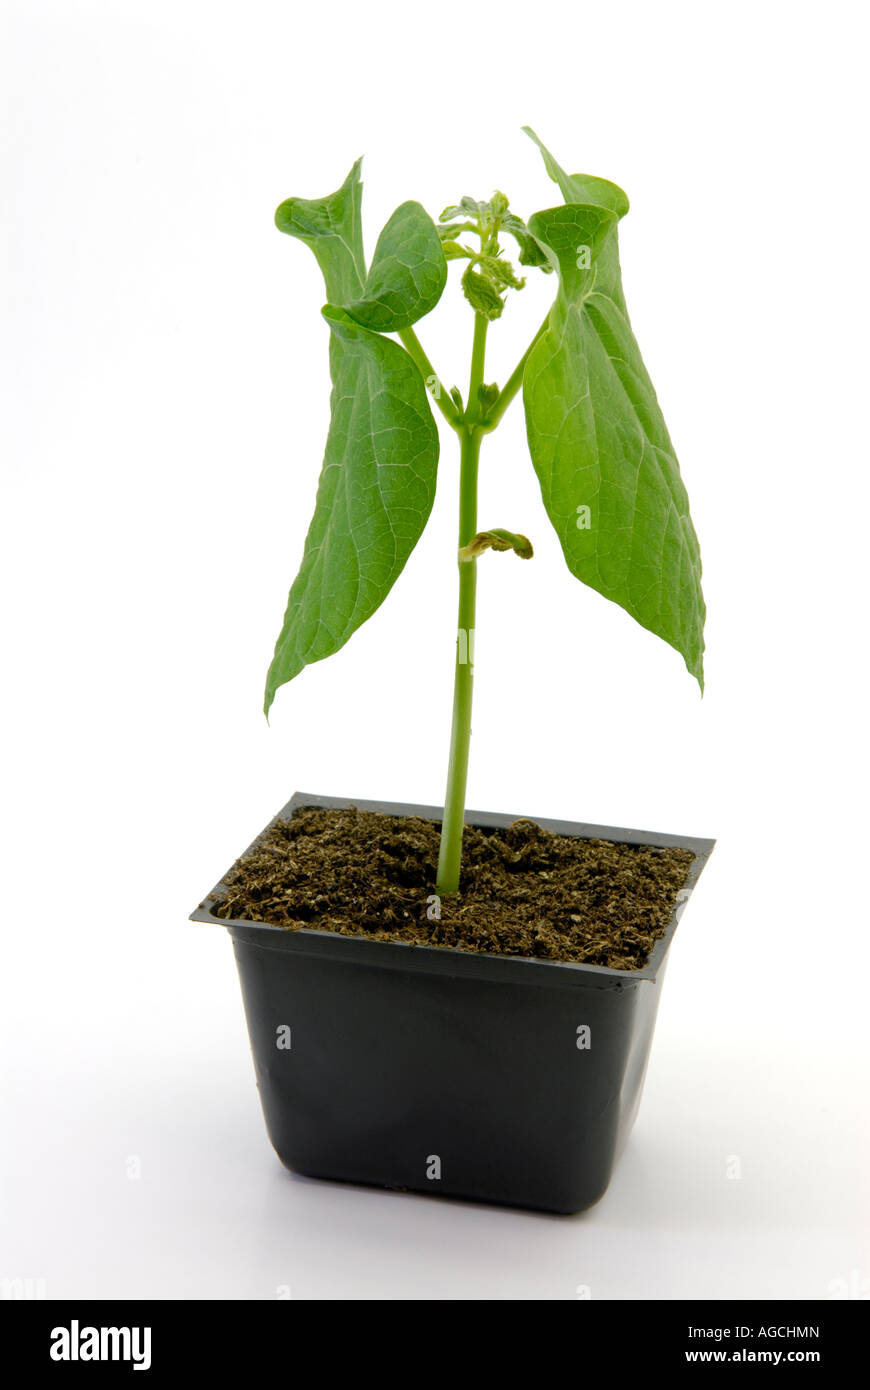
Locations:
{"points": [[165, 402]]}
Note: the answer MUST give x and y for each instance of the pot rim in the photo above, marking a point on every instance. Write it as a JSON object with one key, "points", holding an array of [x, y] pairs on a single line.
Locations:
{"points": [[450, 960]]}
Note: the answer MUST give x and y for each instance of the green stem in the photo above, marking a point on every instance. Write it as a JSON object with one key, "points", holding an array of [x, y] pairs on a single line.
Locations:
{"points": [[478, 356], [512, 385], [443, 398], [450, 854]]}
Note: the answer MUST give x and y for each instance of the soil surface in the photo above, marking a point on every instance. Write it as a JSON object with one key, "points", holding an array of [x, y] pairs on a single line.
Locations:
{"points": [[524, 891]]}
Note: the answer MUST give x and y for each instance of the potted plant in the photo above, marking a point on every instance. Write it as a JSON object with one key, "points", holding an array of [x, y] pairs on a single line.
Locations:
{"points": [[451, 1001]]}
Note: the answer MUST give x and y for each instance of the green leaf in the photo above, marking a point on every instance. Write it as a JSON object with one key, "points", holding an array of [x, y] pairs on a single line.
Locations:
{"points": [[582, 188], [501, 273], [452, 230], [374, 497], [466, 207], [481, 294], [609, 476], [407, 275], [531, 253], [332, 227], [497, 540]]}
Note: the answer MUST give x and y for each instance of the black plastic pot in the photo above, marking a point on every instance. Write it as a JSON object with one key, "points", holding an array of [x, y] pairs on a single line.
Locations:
{"points": [[497, 1078]]}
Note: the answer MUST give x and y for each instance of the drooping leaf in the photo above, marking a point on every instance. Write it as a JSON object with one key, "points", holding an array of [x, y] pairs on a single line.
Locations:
{"points": [[374, 497], [582, 188], [332, 227], [609, 476], [407, 274], [378, 477]]}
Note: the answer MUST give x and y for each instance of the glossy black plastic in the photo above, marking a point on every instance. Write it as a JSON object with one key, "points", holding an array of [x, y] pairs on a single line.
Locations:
{"points": [[497, 1078]]}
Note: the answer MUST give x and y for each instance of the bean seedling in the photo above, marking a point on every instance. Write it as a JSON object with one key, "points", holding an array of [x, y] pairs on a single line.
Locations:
{"points": [[608, 473]]}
